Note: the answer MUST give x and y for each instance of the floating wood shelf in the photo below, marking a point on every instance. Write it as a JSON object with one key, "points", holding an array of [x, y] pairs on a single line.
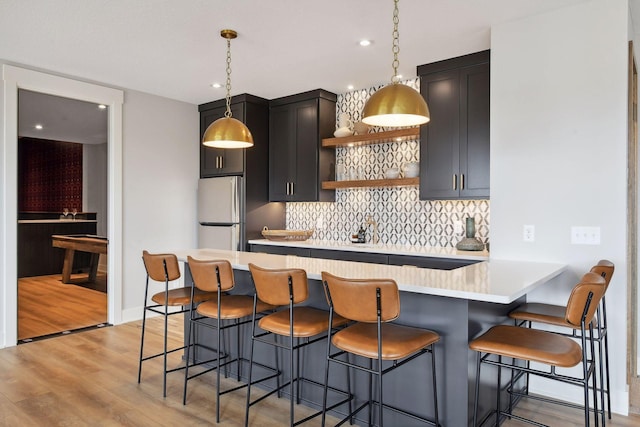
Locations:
{"points": [[332, 185], [397, 135]]}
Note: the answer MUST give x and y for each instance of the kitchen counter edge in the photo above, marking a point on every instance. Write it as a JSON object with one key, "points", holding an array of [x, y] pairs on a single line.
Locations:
{"points": [[409, 250]]}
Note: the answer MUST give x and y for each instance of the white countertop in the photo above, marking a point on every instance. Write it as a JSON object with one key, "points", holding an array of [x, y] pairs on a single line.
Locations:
{"points": [[497, 281], [411, 250]]}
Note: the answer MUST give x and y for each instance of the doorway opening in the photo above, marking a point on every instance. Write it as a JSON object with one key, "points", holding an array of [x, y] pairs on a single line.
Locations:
{"points": [[62, 211], [16, 78]]}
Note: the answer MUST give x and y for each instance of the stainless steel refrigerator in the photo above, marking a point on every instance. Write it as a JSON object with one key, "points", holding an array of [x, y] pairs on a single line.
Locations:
{"points": [[221, 213]]}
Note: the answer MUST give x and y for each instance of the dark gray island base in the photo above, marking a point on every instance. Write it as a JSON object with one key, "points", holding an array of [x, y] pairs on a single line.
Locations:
{"points": [[457, 320]]}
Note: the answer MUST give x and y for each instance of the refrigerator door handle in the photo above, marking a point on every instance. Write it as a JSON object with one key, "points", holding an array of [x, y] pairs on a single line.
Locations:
{"points": [[234, 200], [235, 238]]}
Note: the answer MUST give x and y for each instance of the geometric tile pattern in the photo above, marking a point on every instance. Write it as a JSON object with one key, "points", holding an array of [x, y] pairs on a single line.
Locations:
{"points": [[402, 218]]}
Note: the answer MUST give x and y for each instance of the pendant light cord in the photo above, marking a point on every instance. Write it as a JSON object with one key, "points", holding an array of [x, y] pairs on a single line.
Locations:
{"points": [[396, 43], [228, 85]]}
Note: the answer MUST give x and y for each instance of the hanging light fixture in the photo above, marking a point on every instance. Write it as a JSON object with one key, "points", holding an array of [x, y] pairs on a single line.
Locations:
{"points": [[227, 132], [396, 104]]}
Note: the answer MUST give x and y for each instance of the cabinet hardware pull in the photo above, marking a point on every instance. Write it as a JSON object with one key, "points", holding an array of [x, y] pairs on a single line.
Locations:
{"points": [[217, 162], [288, 188], [221, 162], [461, 181], [455, 181], [292, 191]]}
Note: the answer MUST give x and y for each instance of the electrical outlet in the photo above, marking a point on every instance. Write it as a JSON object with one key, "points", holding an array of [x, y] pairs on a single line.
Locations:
{"points": [[320, 222], [528, 233], [585, 235]]}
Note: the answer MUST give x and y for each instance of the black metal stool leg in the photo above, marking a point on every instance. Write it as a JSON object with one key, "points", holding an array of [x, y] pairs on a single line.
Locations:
{"points": [[477, 392], [144, 321], [435, 387]]}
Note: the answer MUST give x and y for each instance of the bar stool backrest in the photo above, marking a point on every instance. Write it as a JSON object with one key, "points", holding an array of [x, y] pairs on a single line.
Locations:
{"points": [[206, 274], [272, 285], [590, 284], [605, 269], [161, 267], [355, 299]]}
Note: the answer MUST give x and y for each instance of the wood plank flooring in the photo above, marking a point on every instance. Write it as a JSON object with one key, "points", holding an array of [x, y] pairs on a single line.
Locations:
{"points": [[89, 379], [47, 306]]}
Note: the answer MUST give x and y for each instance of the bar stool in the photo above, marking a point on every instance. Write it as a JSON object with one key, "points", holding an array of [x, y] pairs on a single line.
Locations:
{"points": [[216, 277], [554, 350], [303, 325], [373, 304], [554, 315], [164, 268]]}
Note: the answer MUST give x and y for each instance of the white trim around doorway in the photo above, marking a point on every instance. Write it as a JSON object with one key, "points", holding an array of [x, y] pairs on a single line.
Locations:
{"points": [[20, 78]]}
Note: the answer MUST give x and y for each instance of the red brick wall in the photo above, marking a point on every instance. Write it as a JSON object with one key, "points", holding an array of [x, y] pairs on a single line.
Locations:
{"points": [[49, 175]]}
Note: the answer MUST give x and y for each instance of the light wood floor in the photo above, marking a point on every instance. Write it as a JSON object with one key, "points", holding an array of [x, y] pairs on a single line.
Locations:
{"points": [[89, 379], [47, 306]]}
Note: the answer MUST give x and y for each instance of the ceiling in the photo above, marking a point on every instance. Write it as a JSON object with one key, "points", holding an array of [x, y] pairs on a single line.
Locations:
{"points": [[173, 48]]}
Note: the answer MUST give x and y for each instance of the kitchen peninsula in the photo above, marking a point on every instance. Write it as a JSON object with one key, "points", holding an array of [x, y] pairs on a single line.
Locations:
{"points": [[458, 304]]}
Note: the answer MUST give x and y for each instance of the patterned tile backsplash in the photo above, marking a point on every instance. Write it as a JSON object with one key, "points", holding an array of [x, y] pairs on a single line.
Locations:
{"points": [[402, 218]]}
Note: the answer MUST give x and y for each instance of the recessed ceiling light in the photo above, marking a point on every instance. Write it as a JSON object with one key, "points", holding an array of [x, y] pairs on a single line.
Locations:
{"points": [[365, 42], [350, 87], [216, 85], [38, 126], [102, 106]]}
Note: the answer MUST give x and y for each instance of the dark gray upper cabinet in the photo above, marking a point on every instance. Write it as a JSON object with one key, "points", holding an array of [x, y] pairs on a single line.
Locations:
{"points": [[297, 162], [253, 111], [220, 161], [454, 145]]}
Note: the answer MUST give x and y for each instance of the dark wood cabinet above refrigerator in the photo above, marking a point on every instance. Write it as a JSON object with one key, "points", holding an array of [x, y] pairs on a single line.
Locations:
{"points": [[254, 113], [454, 145]]}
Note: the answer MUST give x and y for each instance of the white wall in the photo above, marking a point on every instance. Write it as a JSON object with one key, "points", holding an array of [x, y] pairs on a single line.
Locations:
{"points": [[558, 153], [160, 175]]}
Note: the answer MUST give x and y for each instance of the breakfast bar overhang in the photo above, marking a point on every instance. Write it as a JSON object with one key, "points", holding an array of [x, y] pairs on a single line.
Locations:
{"points": [[458, 304]]}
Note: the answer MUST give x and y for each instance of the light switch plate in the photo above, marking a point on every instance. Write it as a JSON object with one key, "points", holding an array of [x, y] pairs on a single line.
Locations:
{"points": [[529, 233], [585, 235]]}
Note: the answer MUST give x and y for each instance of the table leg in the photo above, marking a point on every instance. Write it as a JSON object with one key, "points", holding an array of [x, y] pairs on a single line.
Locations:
{"points": [[67, 265], [93, 267]]}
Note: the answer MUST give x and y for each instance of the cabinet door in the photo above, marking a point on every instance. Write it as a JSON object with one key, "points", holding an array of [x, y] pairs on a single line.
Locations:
{"points": [[219, 161], [439, 139], [293, 152], [305, 168], [474, 131], [281, 152]]}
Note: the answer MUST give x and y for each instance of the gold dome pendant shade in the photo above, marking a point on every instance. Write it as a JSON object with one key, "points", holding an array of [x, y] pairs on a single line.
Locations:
{"points": [[396, 105], [227, 132]]}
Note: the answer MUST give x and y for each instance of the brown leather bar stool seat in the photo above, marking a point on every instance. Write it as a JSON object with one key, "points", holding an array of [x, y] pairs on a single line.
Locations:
{"points": [[554, 350], [555, 315], [285, 288], [164, 268], [215, 278], [372, 304]]}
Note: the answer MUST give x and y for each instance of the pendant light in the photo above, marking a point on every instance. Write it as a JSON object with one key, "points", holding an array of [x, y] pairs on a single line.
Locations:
{"points": [[227, 132], [395, 105]]}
